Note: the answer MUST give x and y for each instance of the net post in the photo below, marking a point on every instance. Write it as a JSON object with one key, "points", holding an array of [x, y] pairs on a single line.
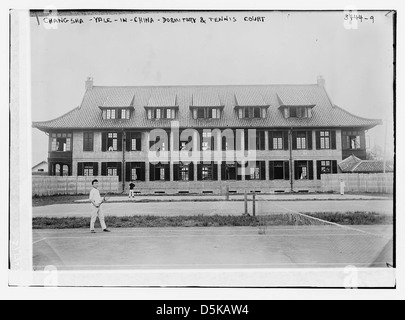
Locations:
{"points": [[246, 203], [254, 204]]}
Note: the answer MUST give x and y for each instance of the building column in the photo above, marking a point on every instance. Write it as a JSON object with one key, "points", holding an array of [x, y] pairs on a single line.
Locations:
{"points": [[243, 163], [196, 149], [267, 166], [219, 169], [171, 151], [147, 171], [266, 140], [314, 170]]}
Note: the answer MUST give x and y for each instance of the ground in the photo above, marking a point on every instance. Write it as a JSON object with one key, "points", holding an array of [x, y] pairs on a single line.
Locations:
{"points": [[308, 246]]}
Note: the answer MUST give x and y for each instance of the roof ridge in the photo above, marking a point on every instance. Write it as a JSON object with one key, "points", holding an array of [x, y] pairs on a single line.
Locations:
{"points": [[353, 115]]}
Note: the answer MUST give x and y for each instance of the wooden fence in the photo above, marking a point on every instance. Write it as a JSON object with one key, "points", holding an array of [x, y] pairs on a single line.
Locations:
{"points": [[52, 185], [359, 182]]}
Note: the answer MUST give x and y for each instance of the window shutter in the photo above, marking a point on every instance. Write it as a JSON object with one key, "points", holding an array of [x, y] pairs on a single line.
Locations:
{"points": [[95, 169], [139, 142], [223, 171], [262, 140], [223, 143], [215, 171], [271, 168], [296, 171], [191, 171], [309, 138], [271, 140], [362, 141], [199, 171], [345, 141], [246, 134], [80, 168], [318, 170], [104, 168], [238, 166], [311, 170], [333, 139], [334, 166], [285, 140], [318, 140], [294, 140], [143, 172], [167, 172], [104, 141], [286, 170], [128, 175], [119, 171], [151, 172], [128, 140], [176, 172], [119, 141], [240, 113], [262, 170]]}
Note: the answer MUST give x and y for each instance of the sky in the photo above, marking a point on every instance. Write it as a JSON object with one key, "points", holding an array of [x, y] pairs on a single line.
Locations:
{"points": [[280, 48]]}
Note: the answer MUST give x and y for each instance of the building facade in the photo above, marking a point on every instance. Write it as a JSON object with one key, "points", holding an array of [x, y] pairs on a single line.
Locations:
{"points": [[206, 139]]}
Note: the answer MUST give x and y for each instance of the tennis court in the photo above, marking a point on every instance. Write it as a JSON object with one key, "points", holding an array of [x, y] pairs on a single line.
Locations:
{"points": [[230, 247]]}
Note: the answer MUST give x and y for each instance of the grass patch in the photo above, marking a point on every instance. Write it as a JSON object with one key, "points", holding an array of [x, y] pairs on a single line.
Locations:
{"points": [[137, 221]]}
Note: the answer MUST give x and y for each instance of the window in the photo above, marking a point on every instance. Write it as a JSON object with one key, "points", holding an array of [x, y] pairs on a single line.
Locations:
{"points": [[88, 171], [326, 167], [298, 112], [277, 141], [158, 113], [260, 140], [206, 173], [150, 114], [169, 114], [251, 112], [354, 142], [184, 173], [112, 171], [61, 142], [279, 170], [301, 140], [112, 141], [124, 113], [254, 173], [304, 170], [325, 139], [109, 114], [88, 141], [216, 113], [206, 141]]}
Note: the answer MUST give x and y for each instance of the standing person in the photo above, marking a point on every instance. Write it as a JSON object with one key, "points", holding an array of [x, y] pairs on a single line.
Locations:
{"points": [[131, 190], [342, 187], [96, 210]]}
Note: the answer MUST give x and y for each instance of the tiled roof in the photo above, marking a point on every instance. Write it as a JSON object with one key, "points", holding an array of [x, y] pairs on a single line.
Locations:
{"points": [[162, 98], [205, 97], [353, 164], [293, 97], [349, 163], [324, 114], [252, 98], [119, 98]]}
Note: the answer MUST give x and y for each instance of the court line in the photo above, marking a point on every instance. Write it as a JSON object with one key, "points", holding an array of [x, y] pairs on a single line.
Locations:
{"points": [[332, 223], [39, 241], [193, 236]]}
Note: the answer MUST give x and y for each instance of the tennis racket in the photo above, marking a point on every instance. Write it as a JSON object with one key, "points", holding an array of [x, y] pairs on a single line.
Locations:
{"points": [[106, 197]]}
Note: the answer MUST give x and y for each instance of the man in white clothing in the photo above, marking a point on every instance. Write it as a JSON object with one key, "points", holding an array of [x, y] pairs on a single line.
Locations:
{"points": [[96, 210]]}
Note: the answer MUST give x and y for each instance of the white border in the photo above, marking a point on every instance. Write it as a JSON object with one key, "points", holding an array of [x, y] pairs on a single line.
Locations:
{"points": [[192, 293]]}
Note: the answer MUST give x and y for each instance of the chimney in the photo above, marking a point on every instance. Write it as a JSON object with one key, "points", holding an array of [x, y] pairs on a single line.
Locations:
{"points": [[321, 81], [89, 83]]}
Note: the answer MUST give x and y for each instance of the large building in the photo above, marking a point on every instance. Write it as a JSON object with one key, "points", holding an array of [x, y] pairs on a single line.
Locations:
{"points": [[145, 134]]}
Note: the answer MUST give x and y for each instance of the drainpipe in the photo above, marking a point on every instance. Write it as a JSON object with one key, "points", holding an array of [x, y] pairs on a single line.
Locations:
{"points": [[291, 159]]}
